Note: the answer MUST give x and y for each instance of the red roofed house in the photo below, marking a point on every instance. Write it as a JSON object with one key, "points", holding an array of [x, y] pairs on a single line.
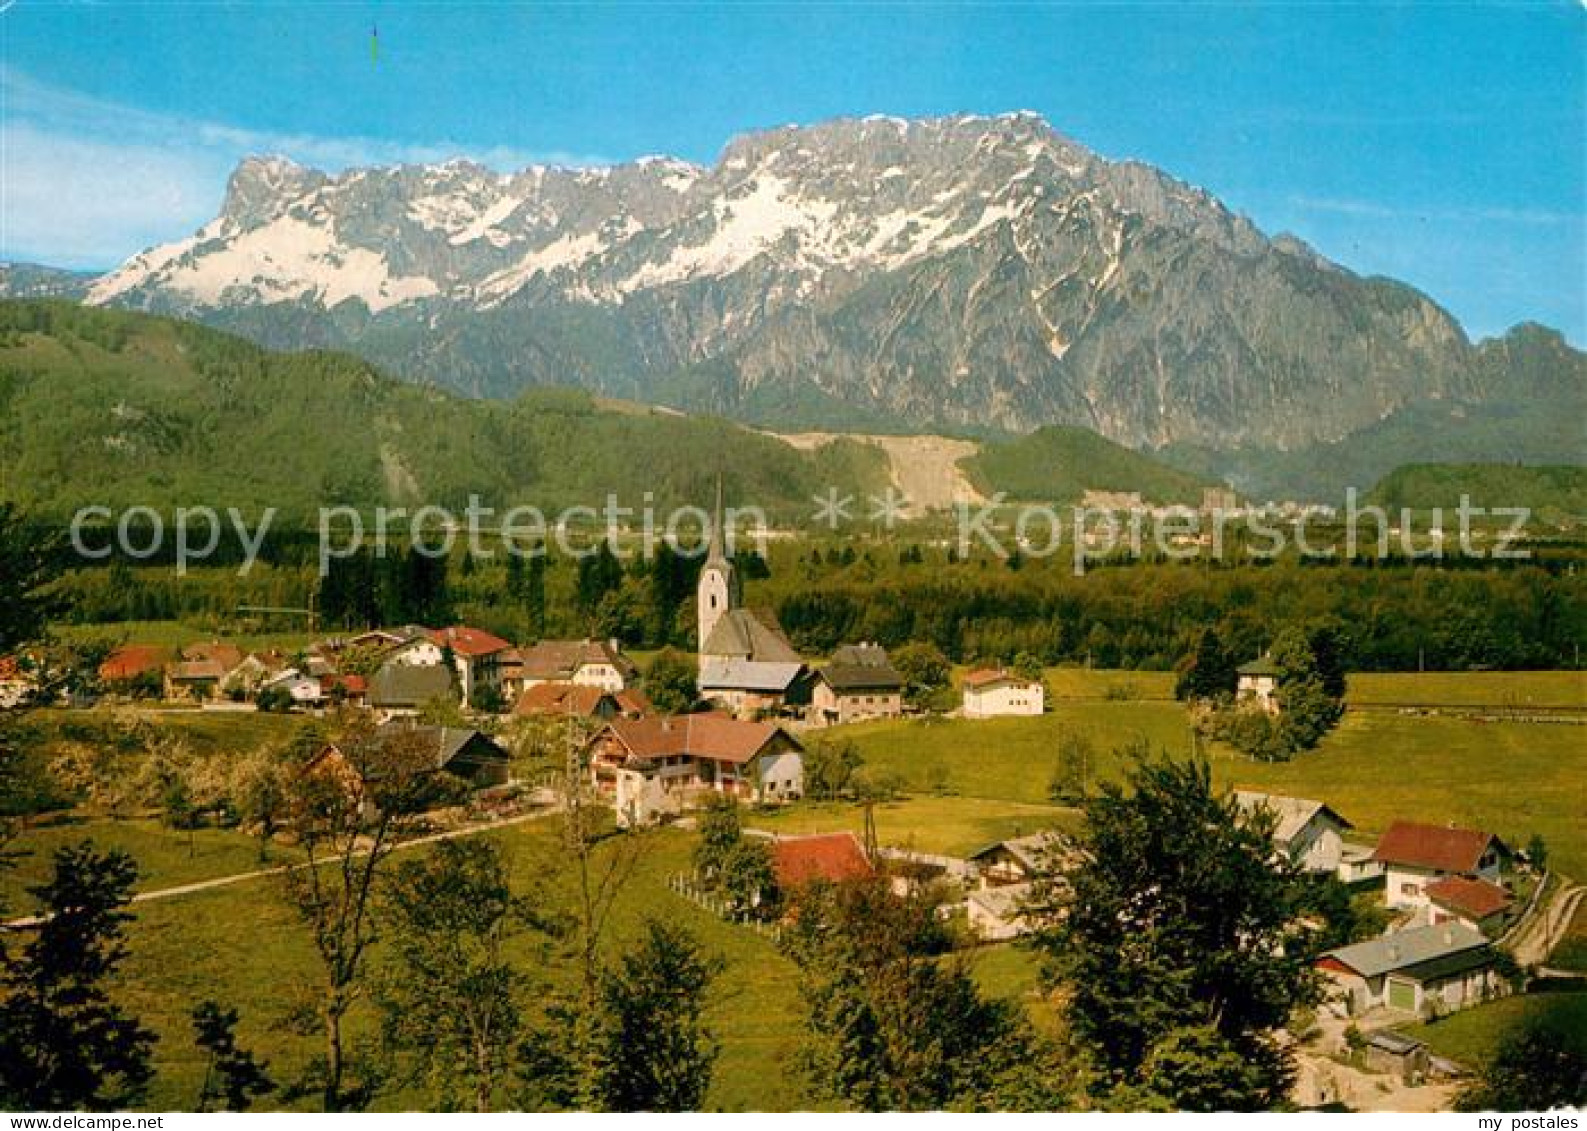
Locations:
{"points": [[1478, 904], [580, 700], [658, 765], [833, 857], [1414, 855], [992, 692], [477, 654], [135, 667]]}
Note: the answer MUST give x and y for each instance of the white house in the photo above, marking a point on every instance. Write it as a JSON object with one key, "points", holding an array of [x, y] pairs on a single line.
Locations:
{"points": [[990, 693], [1258, 683], [1308, 832], [1413, 856], [476, 654], [587, 663]]}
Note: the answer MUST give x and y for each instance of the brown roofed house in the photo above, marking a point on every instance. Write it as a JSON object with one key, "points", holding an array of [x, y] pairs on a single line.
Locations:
{"points": [[799, 861], [1413, 855]]}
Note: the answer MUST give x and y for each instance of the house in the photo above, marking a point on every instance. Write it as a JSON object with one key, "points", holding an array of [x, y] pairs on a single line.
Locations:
{"points": [[1357, 865], [133, 664], [996, 913], [1477, 904], [246, 676], [193, 679], [402, 688], [860, 682], [305, 691], [1308, 832], [1413, 855], [465, 754], [657, 765], [749, 689], [990, 693], [226, 656], [589, 663], [1020, 859], [799, 861], [477, 656], [345, 688], [580, 700], [1257, 683], [1418, 971]]}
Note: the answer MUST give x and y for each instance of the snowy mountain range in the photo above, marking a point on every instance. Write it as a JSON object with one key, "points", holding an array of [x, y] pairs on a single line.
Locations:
{"points": [[969, 273]]}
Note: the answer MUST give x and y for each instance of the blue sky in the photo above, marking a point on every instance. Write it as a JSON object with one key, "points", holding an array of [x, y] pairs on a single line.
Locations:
{"points": [[1439, 143]]}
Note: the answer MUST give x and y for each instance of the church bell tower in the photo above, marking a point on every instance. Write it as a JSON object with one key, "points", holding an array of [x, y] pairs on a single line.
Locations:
{"points": [[718, 591]]}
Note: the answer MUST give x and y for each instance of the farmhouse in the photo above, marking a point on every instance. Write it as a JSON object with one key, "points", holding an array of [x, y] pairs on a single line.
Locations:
{"points": [[859, 683], [992, 692], [1258, 683], [799, 861], [653, 766], [193, 679], [303, 690], [402, 688], [133, 663], [588, 663], [579, 700], [749, 689], [1414, 855], [1419, 971], [1308, 832], [466, 754], [1477, 904], [1021, 859]]}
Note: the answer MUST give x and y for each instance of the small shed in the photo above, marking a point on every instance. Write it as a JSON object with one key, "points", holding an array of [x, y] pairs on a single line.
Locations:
{"points": [[1395, 1053]]}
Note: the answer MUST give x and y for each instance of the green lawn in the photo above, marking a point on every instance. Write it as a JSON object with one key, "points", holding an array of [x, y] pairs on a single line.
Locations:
{"points": [[948, 825], [1472, 1035], [1093, 683], [240, 945], [1540, 690], [1013, 758]]}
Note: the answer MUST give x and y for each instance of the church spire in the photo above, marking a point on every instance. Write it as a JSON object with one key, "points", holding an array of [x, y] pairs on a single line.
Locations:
{"points": [[718, 544]]}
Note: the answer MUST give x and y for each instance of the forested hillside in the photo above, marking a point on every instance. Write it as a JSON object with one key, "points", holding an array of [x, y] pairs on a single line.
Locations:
{"points": [[117, 409]]}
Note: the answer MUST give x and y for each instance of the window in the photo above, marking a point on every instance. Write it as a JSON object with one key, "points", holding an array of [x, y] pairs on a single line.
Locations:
{"points": [[1409, 888]]}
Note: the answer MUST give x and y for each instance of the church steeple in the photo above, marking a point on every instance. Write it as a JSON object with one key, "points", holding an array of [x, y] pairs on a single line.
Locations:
{"points": [[717, 593]]}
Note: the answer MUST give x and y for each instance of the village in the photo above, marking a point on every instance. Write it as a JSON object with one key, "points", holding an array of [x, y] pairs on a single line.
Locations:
{"points": [[1462, 918]]}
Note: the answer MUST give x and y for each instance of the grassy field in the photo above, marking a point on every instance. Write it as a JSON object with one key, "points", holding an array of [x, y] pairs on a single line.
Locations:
{"points": [[1571, 954], [1472, 1035], [174, 634], [1513, 778], [1538, 690], [166, 857], [948, 825], [241, 945]]}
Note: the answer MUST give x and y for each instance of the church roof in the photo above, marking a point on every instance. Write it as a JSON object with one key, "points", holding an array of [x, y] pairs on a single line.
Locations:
{"points": [[726, 673], [749, 635]]}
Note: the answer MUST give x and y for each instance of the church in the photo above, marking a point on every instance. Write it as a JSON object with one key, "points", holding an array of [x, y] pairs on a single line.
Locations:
{"points": [[747, 666]]}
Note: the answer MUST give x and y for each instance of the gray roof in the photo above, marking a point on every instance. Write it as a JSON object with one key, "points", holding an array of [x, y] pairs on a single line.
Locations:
{"points": [[448, 741], [1407, 948], [1262, 665], [1034, 852], [749, 635], [1004, 902], [1294, 813], [408, 685], [747, 675], [861, 667]]}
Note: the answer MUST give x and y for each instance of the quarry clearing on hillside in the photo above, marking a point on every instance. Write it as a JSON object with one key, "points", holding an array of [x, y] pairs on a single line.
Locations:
{"points": [[925, 469]]}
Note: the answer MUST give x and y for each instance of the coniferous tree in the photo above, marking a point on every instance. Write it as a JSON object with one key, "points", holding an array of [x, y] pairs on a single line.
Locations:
{"points": [[63, 1043], [233, 1079]]}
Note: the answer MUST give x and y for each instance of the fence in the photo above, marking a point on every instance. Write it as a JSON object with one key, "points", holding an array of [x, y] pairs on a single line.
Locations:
{"points": [[685, 885]]}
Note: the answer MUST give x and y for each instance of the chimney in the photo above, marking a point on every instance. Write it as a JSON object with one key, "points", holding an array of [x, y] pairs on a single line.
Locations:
{"points": [[1449, 936], [1394, 951]]}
